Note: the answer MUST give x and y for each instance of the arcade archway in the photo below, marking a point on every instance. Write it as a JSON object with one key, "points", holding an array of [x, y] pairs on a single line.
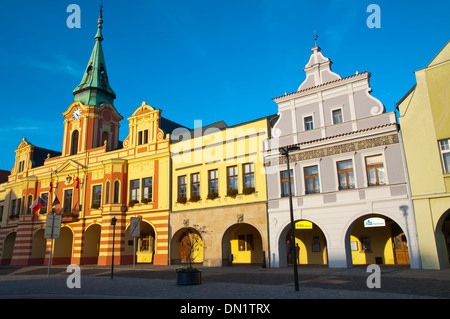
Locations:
{"points": [[91, 244], [310, 245], [443, 239], [62, 250], [38, 247], [187, 243], [144, 246], [242, 244], [8, 248], [377, 239]]}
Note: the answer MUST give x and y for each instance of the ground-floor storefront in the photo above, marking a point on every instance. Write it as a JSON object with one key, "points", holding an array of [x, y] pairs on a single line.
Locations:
{"points": [[341, 236], [87, 241], [222, 236]]}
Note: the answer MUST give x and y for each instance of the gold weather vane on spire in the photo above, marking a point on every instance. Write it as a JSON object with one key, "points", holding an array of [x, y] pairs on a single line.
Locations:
{"points": [[100, 18]]}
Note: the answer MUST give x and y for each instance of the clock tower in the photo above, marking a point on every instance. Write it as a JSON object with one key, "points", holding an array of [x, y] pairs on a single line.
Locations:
{"points": [[92, 121]]}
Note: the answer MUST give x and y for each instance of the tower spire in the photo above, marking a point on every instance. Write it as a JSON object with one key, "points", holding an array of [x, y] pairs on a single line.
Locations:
{"points": [[94, 88]]}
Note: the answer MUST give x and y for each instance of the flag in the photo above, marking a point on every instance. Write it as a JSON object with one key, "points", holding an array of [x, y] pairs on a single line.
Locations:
{"points": [[77, 182], [51, 186], [56, 201], [37, 204]]}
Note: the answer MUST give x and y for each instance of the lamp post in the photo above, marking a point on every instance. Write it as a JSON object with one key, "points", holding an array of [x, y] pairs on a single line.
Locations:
{"points": [[285, 151], [113, 223]]}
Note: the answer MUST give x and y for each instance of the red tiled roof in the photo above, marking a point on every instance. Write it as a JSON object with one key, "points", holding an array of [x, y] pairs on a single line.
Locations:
{"points": [[323, 84]]}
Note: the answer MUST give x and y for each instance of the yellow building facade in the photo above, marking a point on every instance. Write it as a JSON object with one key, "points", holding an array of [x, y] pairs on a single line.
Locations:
{"points": [[219, 193], [424, 121]]}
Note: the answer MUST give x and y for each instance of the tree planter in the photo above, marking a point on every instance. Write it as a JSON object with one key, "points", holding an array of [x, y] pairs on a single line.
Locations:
{"points": [[189, 277]]}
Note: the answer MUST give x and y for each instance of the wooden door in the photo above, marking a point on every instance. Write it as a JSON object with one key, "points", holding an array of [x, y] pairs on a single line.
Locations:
{"points": [[401, 249]]}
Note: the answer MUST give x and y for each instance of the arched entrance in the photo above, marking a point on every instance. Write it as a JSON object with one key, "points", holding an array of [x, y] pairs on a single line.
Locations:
{"points": [[377, 239], [62, 250], [242, 244], [187, 243], [443, 239], [8, 248], [91, 245], [145, 245], [38, 246], [310, 244]]}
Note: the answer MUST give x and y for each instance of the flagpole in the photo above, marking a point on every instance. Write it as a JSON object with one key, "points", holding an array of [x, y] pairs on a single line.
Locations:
{"points": [[78, 188], [53, 223]]}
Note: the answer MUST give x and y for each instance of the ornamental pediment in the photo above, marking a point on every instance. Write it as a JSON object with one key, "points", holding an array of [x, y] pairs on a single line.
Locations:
{"points": [[69, 165]]}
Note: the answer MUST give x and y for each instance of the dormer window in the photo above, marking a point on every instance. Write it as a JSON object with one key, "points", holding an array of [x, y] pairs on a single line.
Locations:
{"points": [[143, 137]]}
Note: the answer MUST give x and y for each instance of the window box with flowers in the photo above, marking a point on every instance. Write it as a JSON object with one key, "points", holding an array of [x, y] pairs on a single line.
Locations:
{"points": [[232, 193], [69, 217], [194, 198], [145, 201], [133, 202], [212, 196], [181, 200], [95, 206], [248, 190]]}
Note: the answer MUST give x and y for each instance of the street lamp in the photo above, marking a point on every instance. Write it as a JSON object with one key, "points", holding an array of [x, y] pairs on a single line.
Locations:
{"points": [[113, 223], [285, 151]]}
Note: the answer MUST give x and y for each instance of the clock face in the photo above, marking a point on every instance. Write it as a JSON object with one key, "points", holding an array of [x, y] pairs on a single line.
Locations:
{"points": [[76, 114]]}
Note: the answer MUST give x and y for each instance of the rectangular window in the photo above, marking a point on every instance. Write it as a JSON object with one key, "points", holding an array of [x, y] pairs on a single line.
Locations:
{"points": [[1, 213], [97, 195], [44, 196], [145, 136], [13, 208], [213, 181], [345, 174], [30, 201], [337, 116], [140, 138], [147, 188], [67, 208], [245, 242], [284, 183], [444, 146], [19, 206], [182, 186], [309, 124], [134, 190], [21, 166], [232, 178], [312, 184], [195, 184], [116, 192], [249, 175], [108, 186], [375, 170]]}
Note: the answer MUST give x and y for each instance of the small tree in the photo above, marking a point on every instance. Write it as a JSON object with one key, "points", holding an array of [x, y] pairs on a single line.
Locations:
{"points": [[191, 245]]}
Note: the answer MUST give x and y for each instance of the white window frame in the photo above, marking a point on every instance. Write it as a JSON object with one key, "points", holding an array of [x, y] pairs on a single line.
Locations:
{"points": [[315, 162], [374, 152], [442, 152], [294, 191], [342, 158], [304, 124], [331, 115]]}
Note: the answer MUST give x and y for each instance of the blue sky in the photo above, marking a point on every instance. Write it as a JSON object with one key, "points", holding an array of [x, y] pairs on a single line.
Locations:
{"points": [[203, 60]]}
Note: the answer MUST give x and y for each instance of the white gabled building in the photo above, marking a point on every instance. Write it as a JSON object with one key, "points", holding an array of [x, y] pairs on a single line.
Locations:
{"points": [[348, 178]]}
